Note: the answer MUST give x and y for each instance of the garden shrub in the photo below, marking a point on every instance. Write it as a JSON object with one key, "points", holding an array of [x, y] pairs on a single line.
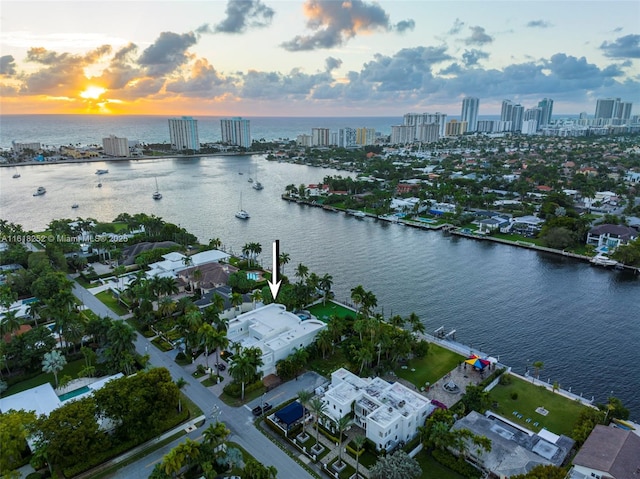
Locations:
{"points": [[452, 462], [514, 396]]}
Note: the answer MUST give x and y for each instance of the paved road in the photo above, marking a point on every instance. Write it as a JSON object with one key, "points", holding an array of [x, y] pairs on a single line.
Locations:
{"points": [[238, 420]]}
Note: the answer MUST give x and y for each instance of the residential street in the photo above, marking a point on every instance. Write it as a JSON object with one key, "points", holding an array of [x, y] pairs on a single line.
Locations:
{"points": [[238, 420]]}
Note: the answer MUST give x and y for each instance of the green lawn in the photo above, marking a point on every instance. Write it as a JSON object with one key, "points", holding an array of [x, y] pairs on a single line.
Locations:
{"points": [[71, 369], [329, 364], [107, 298], [432, 468], [438, 362], [248, 396], [563, 412], [324, 312]]}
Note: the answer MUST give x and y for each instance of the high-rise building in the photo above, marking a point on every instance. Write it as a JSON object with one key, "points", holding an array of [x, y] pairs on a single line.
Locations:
{"points": [[607, 108], [303, 140], [456, 128], [365, 136], [403, 134], [236, 131], [114, 146], [319, 136], [469, 114], [546, 105], [183, 133], [513, 113], [346, 137], [428, 132], [624, 110], [415, 119]]}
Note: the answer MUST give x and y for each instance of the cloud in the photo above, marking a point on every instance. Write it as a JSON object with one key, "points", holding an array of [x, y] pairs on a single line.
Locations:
{"points": [[405, 70], [7, 65], [405, 25], [539, 24], [122, 68], [335, 22], [244, 14], [478, 37], [623, 47], [457, 27], [167, 53], [62, 74], [471, 57], [203, 82], [278, 86], [332, 63]]}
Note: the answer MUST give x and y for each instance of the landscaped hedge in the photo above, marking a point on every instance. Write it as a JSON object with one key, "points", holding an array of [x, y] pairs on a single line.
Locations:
{"points": [[234, 389], [452, 462]]}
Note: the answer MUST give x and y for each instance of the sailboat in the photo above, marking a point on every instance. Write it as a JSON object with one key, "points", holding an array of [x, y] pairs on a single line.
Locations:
{"points": [[16, 174], [157, 195], [242, 214]]}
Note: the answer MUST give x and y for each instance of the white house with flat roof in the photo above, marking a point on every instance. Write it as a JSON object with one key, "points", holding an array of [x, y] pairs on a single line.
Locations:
{"points": [[390, 413], [174, 262], [276, 331]]}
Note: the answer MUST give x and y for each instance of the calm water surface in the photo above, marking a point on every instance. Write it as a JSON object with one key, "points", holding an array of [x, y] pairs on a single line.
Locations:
{"points": [[582, 322]]}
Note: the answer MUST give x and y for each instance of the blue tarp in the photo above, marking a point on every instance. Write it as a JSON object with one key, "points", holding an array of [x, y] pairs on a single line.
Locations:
{"points": [[291, 413]]}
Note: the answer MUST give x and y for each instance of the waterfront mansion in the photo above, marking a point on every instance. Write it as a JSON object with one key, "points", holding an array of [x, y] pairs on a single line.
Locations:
{"points": [[390, 413], [276, 331]]}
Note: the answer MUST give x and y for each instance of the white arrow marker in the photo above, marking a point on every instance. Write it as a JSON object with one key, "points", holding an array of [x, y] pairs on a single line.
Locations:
{"points": [[275, 285]]}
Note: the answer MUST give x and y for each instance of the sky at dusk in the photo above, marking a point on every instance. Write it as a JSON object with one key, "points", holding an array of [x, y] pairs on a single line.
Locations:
{"points": [[314, 57]]}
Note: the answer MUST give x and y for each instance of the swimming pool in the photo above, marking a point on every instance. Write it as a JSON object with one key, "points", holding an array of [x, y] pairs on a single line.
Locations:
{"points": [[29, 300], [74, 393], [426, 220], [252, 275]]}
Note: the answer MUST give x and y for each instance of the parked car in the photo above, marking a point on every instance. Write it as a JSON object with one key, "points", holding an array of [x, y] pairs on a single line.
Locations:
{"points": [[260, 410], [220, 366]]}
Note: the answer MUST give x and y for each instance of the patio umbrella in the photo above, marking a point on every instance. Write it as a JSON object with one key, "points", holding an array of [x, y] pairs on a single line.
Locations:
{"points": [[477, 361]]}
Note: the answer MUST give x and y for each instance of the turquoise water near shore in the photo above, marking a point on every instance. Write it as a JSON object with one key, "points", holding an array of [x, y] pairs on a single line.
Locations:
{"points": [[520, 305]]}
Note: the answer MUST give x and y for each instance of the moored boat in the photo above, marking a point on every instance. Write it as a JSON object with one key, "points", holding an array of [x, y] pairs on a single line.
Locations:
{"points": [[40, 191]]}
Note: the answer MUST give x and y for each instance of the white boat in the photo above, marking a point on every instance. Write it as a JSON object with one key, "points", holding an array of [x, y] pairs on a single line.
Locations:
{"points": [[250, 180], [242, 214], [40, 191], [101, 172], [256, 184], [356, 213], [602, 260], [157, 195]]}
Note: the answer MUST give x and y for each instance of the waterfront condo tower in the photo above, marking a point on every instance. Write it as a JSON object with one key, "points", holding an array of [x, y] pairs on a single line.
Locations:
{"points": [[546, 107], [114, 146], [183, 133], [469, 114], [236, 131]]}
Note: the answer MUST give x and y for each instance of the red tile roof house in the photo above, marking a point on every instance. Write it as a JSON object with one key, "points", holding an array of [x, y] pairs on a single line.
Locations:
{"points": [[608, 453]]}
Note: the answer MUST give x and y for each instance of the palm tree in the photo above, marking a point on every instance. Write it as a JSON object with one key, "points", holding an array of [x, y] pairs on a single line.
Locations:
{"points": [[53, 362], [417, 326], [357, 296], [317, 407], [236, 300], [242, 369], [304, 397], [246, 252], [219, 342], [10, 323], [537, 366], [283, 259], [215, 243], [343, 423], [325, 285], [358, 442], [256, 295], [301, 272], [216, 434], [323, 341], [207, 338]]}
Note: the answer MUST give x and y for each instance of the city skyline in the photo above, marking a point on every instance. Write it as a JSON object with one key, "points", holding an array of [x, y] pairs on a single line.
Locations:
{"points": [[315, 57]]}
